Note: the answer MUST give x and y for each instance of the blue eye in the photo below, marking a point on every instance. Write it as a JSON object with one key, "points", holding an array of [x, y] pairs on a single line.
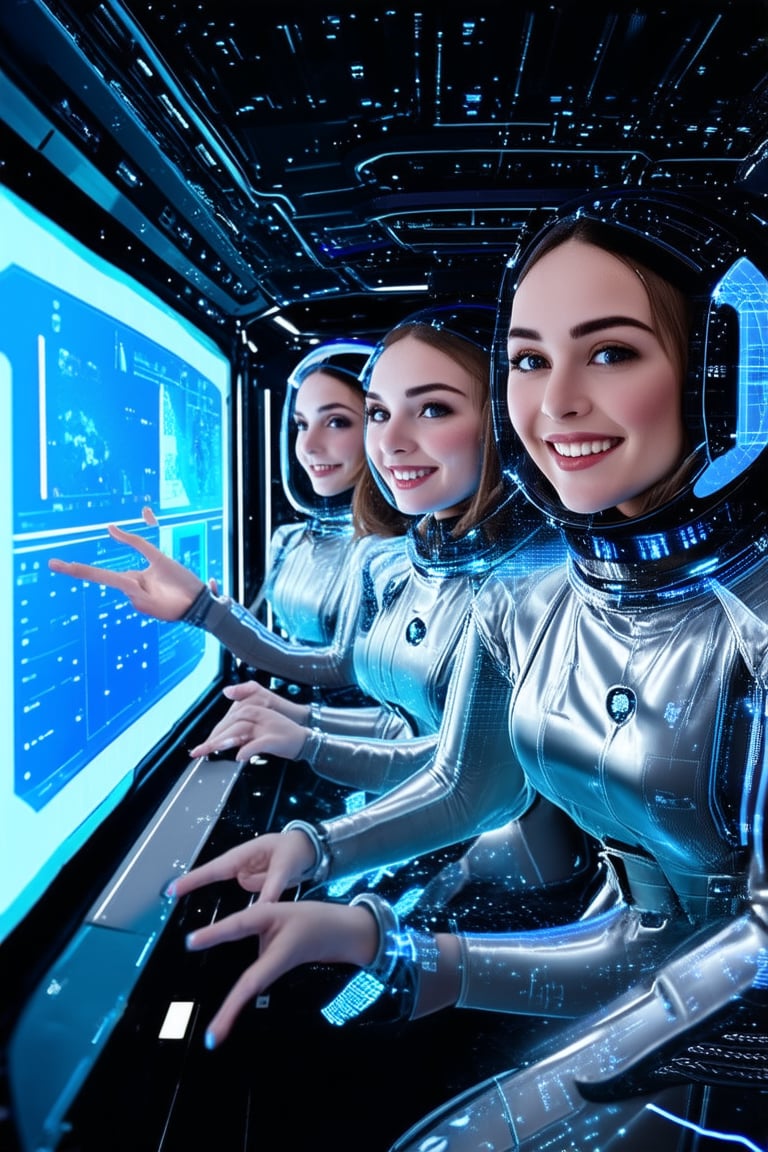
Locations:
{"points": [[526, 362], [434, 409], [614, 354]]}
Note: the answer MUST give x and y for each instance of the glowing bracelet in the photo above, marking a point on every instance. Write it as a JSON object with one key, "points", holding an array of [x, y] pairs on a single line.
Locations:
{"points": [[408, 948]]}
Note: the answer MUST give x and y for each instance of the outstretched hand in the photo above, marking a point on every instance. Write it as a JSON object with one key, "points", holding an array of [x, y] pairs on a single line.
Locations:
{"points": [[267, 864], [289, 934], [165, 589], [254, 730]]}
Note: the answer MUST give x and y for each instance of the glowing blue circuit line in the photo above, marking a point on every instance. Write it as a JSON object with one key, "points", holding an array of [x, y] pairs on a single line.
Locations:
{"points": [[701, 1131], [743, 287], [762, 799]]}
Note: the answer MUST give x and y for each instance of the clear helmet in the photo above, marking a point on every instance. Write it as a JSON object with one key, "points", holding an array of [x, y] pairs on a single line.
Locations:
{"points": [[437, 545], [343, 361], [717, 255], [472, 323]]}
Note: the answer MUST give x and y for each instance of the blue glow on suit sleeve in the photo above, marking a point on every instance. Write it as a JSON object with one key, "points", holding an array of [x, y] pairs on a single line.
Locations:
{"points": [[364, 989]]}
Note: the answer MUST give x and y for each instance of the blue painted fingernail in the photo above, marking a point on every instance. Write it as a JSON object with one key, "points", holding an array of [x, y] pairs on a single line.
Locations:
{"points": [[210, 1040]]}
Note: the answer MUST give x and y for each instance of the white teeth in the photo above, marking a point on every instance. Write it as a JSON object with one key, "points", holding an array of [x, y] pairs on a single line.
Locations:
{"points": [[323, 467], [410, 473], [588, 448]]}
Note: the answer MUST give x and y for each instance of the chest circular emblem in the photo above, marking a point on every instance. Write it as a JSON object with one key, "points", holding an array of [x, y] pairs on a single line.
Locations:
{"points": [[621, 703], [416, 631]]}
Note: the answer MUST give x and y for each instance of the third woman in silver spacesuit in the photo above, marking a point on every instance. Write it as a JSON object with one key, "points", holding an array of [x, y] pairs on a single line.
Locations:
{"points": [[314, 573], [634, 688], [431, 455], [312, 579]]}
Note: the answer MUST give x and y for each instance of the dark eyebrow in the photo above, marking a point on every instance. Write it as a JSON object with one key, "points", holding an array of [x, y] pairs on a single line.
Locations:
{"points": [[329, 408], [420, 389], [587, 328], [591, 326]]}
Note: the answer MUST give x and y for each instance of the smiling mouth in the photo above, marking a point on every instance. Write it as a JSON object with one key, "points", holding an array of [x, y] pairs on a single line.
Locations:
{"points": [[408, 475], [323, 469], [585, 447]]}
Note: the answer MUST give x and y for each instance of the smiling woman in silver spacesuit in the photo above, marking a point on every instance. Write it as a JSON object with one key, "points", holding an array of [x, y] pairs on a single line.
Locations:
{"points": [[628, 687]]}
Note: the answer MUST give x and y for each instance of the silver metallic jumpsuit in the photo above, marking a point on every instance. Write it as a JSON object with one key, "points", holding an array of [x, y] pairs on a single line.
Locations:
{"points": [[634, 682], [407, 638], [657, 741]]}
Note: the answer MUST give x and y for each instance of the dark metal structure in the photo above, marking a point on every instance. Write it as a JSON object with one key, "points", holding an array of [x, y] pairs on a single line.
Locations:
{"points": [[334, 163], [280, 174]]}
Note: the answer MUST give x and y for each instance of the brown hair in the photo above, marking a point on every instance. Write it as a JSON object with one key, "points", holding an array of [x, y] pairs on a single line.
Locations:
{"points": [[371, 510]]}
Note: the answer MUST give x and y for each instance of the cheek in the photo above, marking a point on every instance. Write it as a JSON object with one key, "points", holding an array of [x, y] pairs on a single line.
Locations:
{"points": [[372, 447], [351, 446], [521, 410], [655, 411], [459, 446]]}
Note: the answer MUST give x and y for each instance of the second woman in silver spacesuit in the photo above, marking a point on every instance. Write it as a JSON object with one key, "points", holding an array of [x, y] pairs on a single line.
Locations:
{"points": [[432, 456], [632, 689]]}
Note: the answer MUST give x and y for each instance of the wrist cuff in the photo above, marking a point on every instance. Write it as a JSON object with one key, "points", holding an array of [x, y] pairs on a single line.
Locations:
{"points": [[388, 924], [199, 608], [403, 953], [320, 868], [311, 748]]}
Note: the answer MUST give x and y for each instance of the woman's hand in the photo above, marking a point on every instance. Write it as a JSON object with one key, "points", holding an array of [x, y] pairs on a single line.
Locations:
{"points": [[254, 730], [267, 864], [251, 692], [165, 589], [289, 934]]}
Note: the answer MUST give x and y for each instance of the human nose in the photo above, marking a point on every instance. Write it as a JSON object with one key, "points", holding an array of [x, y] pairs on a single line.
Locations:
{"points": [[311, 441], [395, 437], [564, 395]]}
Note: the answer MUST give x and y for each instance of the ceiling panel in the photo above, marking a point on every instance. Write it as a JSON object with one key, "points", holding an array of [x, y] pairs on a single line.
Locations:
{"points": [[309, 156]]}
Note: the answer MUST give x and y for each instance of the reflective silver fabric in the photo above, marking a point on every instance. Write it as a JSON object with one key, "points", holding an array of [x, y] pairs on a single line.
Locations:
{"points": [[327, 572], [647, 725]]}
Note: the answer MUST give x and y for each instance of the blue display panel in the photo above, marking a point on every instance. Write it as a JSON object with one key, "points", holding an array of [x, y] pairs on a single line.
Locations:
{"points": [[110, 402]]}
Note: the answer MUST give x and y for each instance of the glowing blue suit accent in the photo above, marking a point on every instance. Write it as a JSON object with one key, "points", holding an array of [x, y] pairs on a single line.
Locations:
{"points": [[406, 643], [634, 681], [743, 288]]}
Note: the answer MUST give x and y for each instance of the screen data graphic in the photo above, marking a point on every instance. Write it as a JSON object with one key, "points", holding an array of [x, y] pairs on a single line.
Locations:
{"points": [[110, 403]]}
